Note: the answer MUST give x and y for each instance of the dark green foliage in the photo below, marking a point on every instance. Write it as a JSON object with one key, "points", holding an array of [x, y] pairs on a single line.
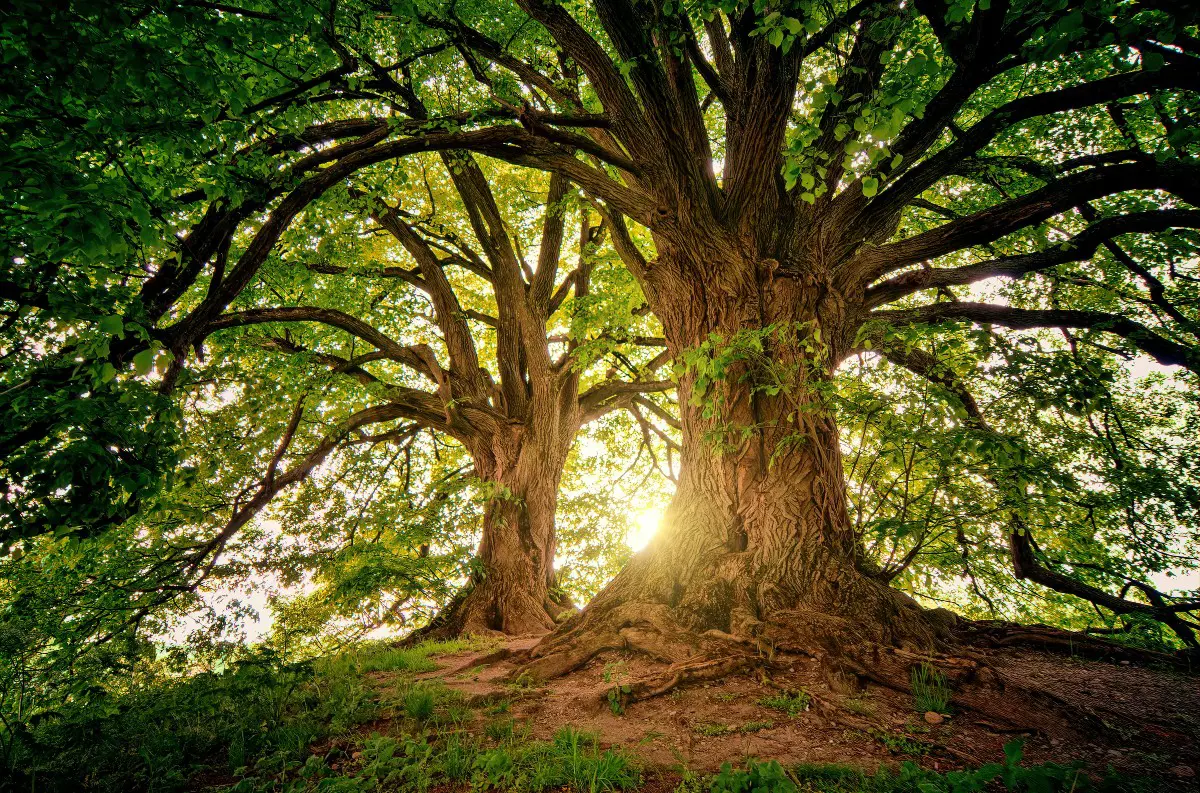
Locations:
{"points": [[769, 777], [261, 713], [1010, 775]]}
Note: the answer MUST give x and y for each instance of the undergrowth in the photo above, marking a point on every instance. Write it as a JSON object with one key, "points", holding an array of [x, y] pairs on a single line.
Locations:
{"points": [[265, 726], [793, 703], [1010, 775], [260, 712]]}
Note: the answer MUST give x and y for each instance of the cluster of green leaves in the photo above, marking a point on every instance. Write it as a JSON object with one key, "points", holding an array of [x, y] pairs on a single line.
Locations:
{"points": [[779, 361], [1099, 460], [112, 111]]}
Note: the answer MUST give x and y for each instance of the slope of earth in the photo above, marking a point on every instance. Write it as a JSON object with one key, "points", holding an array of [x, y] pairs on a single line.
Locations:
{"points": [[1139, 722]]}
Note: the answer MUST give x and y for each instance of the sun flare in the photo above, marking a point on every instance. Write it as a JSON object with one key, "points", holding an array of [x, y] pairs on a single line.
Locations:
{"points": [[645, 526]]}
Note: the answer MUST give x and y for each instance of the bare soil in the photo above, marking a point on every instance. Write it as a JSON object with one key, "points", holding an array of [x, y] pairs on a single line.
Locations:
{"points": [[1143, 722]]}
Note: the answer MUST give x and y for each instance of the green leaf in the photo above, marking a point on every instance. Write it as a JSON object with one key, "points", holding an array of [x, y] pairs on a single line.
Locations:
{"points": [[143, 362], [870, 186], [113, 325]]}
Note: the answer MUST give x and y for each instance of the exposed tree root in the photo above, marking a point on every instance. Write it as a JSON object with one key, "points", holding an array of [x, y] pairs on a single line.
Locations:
{"points": [[994, 633], [875, 636], [679, 674], [848, 654], [474, 611]]}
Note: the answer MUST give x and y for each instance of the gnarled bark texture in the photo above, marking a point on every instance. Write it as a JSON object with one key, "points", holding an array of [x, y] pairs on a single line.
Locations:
{"points": [[756, 546], [511, 592]]}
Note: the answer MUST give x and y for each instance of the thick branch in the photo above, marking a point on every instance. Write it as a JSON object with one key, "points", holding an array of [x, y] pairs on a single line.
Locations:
{"points": [[1080, 247], [1163, 350], [334, 318]]}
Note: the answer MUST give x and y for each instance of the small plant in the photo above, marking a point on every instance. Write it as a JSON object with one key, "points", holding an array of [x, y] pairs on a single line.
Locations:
{"points": [[618, 693], [859, 706], [758, 777], [458, 758], [523, 682], [931, 692], [901, 744], [725, 696], [500, 730], [493, 768], [458, 714], [689, 781], [793, 703], [419, 702], [756, 726], [712, 730]]}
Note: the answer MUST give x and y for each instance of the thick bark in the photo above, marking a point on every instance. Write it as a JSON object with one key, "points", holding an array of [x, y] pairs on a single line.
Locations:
{"points": [[511, 591], [757, 545]]}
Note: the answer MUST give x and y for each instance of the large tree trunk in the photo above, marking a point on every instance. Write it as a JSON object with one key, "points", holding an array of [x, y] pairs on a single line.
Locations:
{"points": [[521, 465], [511, 592], [757, 545]]}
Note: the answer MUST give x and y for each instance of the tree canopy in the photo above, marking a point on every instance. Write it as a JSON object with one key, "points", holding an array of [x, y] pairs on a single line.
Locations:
{"points": [[407, 304]]}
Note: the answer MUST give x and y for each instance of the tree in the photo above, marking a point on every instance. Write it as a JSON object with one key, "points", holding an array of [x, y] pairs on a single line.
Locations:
{"points": [[789, 185], [518, 423], [840, 125], [517, 426]]}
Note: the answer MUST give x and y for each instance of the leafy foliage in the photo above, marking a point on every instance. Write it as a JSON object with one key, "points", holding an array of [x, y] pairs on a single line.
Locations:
{"points": [[1017, 181]]}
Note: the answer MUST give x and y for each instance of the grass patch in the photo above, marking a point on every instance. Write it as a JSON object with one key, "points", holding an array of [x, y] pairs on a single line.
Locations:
{"points": [[419, 703], [713, 730], [1010, 775], [756, 726], [859, 706], [258, 716], [500, 730], [793, 703], [931, 692], [572, 760], [901, 744]]}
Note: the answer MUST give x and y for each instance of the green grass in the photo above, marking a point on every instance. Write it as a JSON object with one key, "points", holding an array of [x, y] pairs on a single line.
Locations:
{"points": [[501, 730], [260, 714], [931, 692], [419, 703], [756, 726], [380, 657], [261, 720], [793, 703], [1010, 775], [901, 744]]}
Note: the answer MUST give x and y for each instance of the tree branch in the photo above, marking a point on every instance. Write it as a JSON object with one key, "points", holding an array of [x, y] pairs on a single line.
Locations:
{"points": [[1163, 350]]}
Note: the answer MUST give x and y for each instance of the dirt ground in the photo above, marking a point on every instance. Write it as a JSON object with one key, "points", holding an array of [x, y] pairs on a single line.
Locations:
{"points": [[1142, 722]]}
